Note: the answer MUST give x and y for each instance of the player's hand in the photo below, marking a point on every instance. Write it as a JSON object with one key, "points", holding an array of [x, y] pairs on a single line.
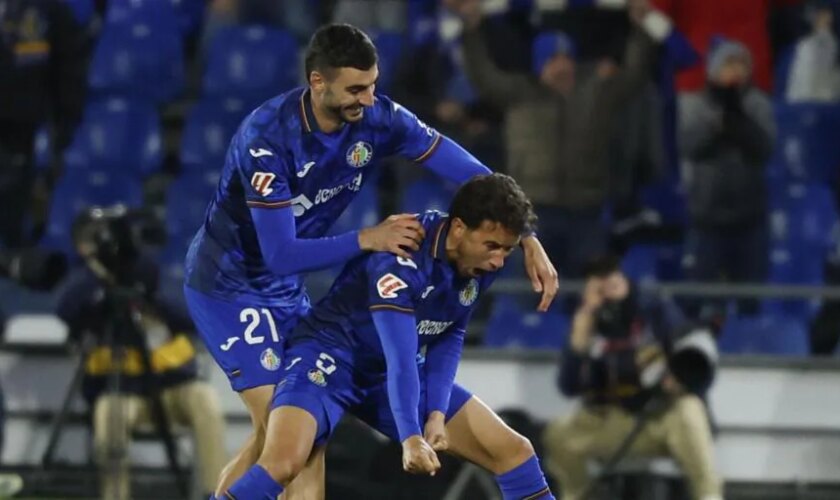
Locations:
{"points": [[399, 234], [435, 431], [543, 275], [419, 457]]}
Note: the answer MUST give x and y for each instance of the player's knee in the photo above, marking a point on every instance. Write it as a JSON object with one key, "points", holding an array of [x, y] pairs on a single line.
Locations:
{"points": [[518, 449], [283, 469]]}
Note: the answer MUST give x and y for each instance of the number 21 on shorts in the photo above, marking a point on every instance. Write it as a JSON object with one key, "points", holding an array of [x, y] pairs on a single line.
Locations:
{"points": [[251, 316]]}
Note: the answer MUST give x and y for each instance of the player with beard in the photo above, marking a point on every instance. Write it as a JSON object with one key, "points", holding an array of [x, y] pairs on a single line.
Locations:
{"points": [[291, 169]]}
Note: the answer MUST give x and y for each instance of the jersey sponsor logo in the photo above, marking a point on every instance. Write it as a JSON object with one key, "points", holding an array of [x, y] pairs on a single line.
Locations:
{"points": [[270, 360], [261, 182], [227, 345], [427, 291], [359, 154], [429, 327], [389, 285], [305, 169], [469, 293], [260, 152], [301, 203], [405, 261]]}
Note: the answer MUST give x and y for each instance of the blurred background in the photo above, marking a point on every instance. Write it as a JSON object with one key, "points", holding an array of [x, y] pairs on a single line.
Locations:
{"points": [[698, 141]]}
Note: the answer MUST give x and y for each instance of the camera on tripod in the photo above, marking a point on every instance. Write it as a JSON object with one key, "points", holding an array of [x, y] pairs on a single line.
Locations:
{"points": [[112, 239]]}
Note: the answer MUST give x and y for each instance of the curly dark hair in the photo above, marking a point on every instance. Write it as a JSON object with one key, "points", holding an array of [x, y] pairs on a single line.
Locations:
{"points": [[495, 198], [336, 46]]}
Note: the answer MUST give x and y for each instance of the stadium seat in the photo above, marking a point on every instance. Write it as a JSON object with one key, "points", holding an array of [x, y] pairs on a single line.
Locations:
{"points": [[187, 198], [390, 48], [640, 263], [138, 60], [765, 334], [513, 325], [426, 194], [208, 129], [117, 135], [75, 193], [807, 140], [253, 63]]}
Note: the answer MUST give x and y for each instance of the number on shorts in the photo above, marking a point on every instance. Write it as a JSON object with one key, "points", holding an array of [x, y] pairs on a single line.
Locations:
{"points": [[251, 316], [327, 368]]}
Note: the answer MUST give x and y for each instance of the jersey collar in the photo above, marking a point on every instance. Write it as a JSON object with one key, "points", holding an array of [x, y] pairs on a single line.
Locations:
{"points": [[438, 248], [307, 117]]}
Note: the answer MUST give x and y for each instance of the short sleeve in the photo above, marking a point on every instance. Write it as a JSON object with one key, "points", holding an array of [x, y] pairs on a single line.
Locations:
{"points": [[411, 138], [264, 175], [394, 283]]}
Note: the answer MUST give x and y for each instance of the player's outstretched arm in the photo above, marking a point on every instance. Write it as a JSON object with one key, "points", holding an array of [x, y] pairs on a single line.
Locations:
{"points": [[454, 163], [284, 253]]}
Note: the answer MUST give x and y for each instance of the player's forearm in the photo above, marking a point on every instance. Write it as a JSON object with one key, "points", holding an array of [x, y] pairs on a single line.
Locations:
{"points": [[399, 343], [285, 254], [454, 163], [442, 359]]}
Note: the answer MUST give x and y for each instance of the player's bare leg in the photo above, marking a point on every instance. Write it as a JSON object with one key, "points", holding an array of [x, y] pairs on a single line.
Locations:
{"points": [[475, 433], [256, 400], [310, 486], [286, 453]]}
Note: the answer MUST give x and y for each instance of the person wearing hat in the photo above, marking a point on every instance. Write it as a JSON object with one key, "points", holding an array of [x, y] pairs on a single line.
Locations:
{"points": [[559, 124]]}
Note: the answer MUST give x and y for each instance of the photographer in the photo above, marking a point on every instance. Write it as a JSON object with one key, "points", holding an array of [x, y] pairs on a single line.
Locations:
{"points": [[100, 302], [616, 361]]}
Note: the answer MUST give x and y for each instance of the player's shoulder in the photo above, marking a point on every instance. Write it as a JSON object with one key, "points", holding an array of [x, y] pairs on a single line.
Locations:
{"points": [[272, 122], [384, 111]]}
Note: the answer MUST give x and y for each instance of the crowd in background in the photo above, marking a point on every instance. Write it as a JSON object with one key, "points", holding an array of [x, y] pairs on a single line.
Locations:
{"points": [[692, 137]]}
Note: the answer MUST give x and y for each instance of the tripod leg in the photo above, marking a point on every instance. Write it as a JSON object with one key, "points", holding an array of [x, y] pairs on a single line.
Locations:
{"points": [[57, 424]]}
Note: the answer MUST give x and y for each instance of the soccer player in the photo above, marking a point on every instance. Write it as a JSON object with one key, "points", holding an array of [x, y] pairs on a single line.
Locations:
{"points": [[357, 352], [293, 166]]}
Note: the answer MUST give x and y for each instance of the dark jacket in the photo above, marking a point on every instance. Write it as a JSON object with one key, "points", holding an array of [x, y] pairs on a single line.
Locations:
{"points": [[610, 374], [98, 321], [43, 65]]}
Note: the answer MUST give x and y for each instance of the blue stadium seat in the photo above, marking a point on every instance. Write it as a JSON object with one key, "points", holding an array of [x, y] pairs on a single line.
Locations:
{"points": [[513, 325], [117, 135], [807, 140], [640, 263], [138, 60], [161, 14], [765, 334], [667, 199], [253, 62], [363, 211], [208, 129], [390, 48], [75, 193], [187, 198], [426, 194]]}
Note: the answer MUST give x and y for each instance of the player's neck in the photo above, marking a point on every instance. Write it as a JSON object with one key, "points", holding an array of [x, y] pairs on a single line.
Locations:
{"points": [[452, 253], [327, 123]]}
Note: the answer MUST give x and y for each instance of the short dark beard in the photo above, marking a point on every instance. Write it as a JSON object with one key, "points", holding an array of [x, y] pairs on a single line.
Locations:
{"points": [[334, 111]]}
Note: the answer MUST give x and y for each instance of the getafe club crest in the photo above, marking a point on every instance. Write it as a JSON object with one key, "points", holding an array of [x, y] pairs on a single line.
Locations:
{"points": [[469, 293], [269, 360], [359, 154], [317, 377]]}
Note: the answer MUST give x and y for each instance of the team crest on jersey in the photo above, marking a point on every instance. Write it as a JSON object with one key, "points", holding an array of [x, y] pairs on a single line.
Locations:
{"points": [[389, 285], [317, 377], [469, 293], [270, 360], [359, 154], [261, 182]]}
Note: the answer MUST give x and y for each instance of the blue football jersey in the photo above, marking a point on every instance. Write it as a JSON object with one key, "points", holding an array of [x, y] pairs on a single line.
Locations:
{"points": [[426, 285], [279, 158]]}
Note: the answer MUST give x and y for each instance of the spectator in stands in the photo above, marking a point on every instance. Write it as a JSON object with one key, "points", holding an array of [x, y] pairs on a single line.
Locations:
{"points": [[300, 17], [89, 309], [559, 127], [372, 15], [618, 340], [815, 72], [43, 55], [726, 134]]}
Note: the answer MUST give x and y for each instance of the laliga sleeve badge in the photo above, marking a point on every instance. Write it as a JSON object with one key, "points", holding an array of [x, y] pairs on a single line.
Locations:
{"points": [[388, 286], [270, 360], [317, 377]]}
